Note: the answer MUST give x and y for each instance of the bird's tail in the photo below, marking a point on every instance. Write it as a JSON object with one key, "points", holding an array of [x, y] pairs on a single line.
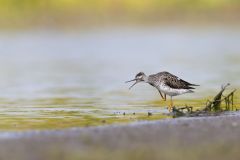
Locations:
{"points": [[190, 91], [194, 85]]}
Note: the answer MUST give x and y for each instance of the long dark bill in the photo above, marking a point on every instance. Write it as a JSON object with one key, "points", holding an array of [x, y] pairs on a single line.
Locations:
{"points": [[133, 84], [131, 80]]}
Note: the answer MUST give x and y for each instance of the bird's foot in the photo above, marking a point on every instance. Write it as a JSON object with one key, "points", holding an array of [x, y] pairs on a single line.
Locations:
{"points": [[170, 109]]}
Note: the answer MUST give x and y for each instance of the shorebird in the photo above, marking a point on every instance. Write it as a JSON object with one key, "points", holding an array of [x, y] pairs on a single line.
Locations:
{"points": [[166, 83]]}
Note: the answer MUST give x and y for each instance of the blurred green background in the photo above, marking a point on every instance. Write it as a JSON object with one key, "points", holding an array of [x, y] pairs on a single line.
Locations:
{"points": [[77, 13]]}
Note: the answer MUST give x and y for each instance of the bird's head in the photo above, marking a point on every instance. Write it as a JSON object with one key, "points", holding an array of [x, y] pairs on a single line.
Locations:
{"points": [[140, 77]]}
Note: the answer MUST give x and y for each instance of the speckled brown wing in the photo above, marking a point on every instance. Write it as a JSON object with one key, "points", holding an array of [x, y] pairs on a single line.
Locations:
{"points": [[175, 82]]}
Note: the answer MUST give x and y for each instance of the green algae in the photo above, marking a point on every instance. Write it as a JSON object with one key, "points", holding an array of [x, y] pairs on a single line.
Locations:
{"points": [[72, 120], [59, 113]]}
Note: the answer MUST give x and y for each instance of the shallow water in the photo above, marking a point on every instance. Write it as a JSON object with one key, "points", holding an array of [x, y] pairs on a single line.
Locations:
{"points": [[56, 79]]}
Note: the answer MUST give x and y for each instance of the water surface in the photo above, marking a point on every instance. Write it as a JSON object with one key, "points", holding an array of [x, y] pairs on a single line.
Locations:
{"points": [[56, 79]]}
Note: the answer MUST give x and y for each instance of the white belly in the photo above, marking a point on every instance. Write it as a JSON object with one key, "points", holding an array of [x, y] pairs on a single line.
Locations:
{"points": [[172, 92]]}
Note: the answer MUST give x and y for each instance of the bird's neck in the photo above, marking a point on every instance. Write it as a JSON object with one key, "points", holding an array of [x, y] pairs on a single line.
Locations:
{"points": [[145, 79]]}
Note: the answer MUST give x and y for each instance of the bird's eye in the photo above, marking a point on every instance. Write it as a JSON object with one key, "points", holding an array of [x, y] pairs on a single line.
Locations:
{"points": [[139, 74]]}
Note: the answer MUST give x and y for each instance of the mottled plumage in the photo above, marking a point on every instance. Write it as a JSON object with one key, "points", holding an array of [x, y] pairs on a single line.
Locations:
{"points": [[166, 83], [170, 80]]}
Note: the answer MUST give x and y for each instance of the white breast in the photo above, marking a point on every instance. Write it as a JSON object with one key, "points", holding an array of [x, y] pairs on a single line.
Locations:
{"points": [[171, 91]]}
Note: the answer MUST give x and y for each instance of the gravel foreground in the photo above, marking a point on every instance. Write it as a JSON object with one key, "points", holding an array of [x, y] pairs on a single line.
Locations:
{"points": [[182, 139]]}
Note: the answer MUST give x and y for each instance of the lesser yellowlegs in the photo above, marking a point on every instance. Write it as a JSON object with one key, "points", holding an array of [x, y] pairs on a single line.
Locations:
{"points": [[166, 83]]}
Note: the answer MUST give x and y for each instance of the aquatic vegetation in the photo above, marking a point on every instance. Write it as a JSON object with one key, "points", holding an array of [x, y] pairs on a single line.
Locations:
{"points": [[212, 107]]}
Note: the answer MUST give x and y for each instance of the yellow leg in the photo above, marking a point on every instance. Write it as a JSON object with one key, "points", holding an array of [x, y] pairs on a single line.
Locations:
{"points": [[170, 106], [164, 98]]}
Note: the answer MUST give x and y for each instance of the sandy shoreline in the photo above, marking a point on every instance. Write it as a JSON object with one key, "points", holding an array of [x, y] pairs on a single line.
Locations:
{"points": [[182, 138]]}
